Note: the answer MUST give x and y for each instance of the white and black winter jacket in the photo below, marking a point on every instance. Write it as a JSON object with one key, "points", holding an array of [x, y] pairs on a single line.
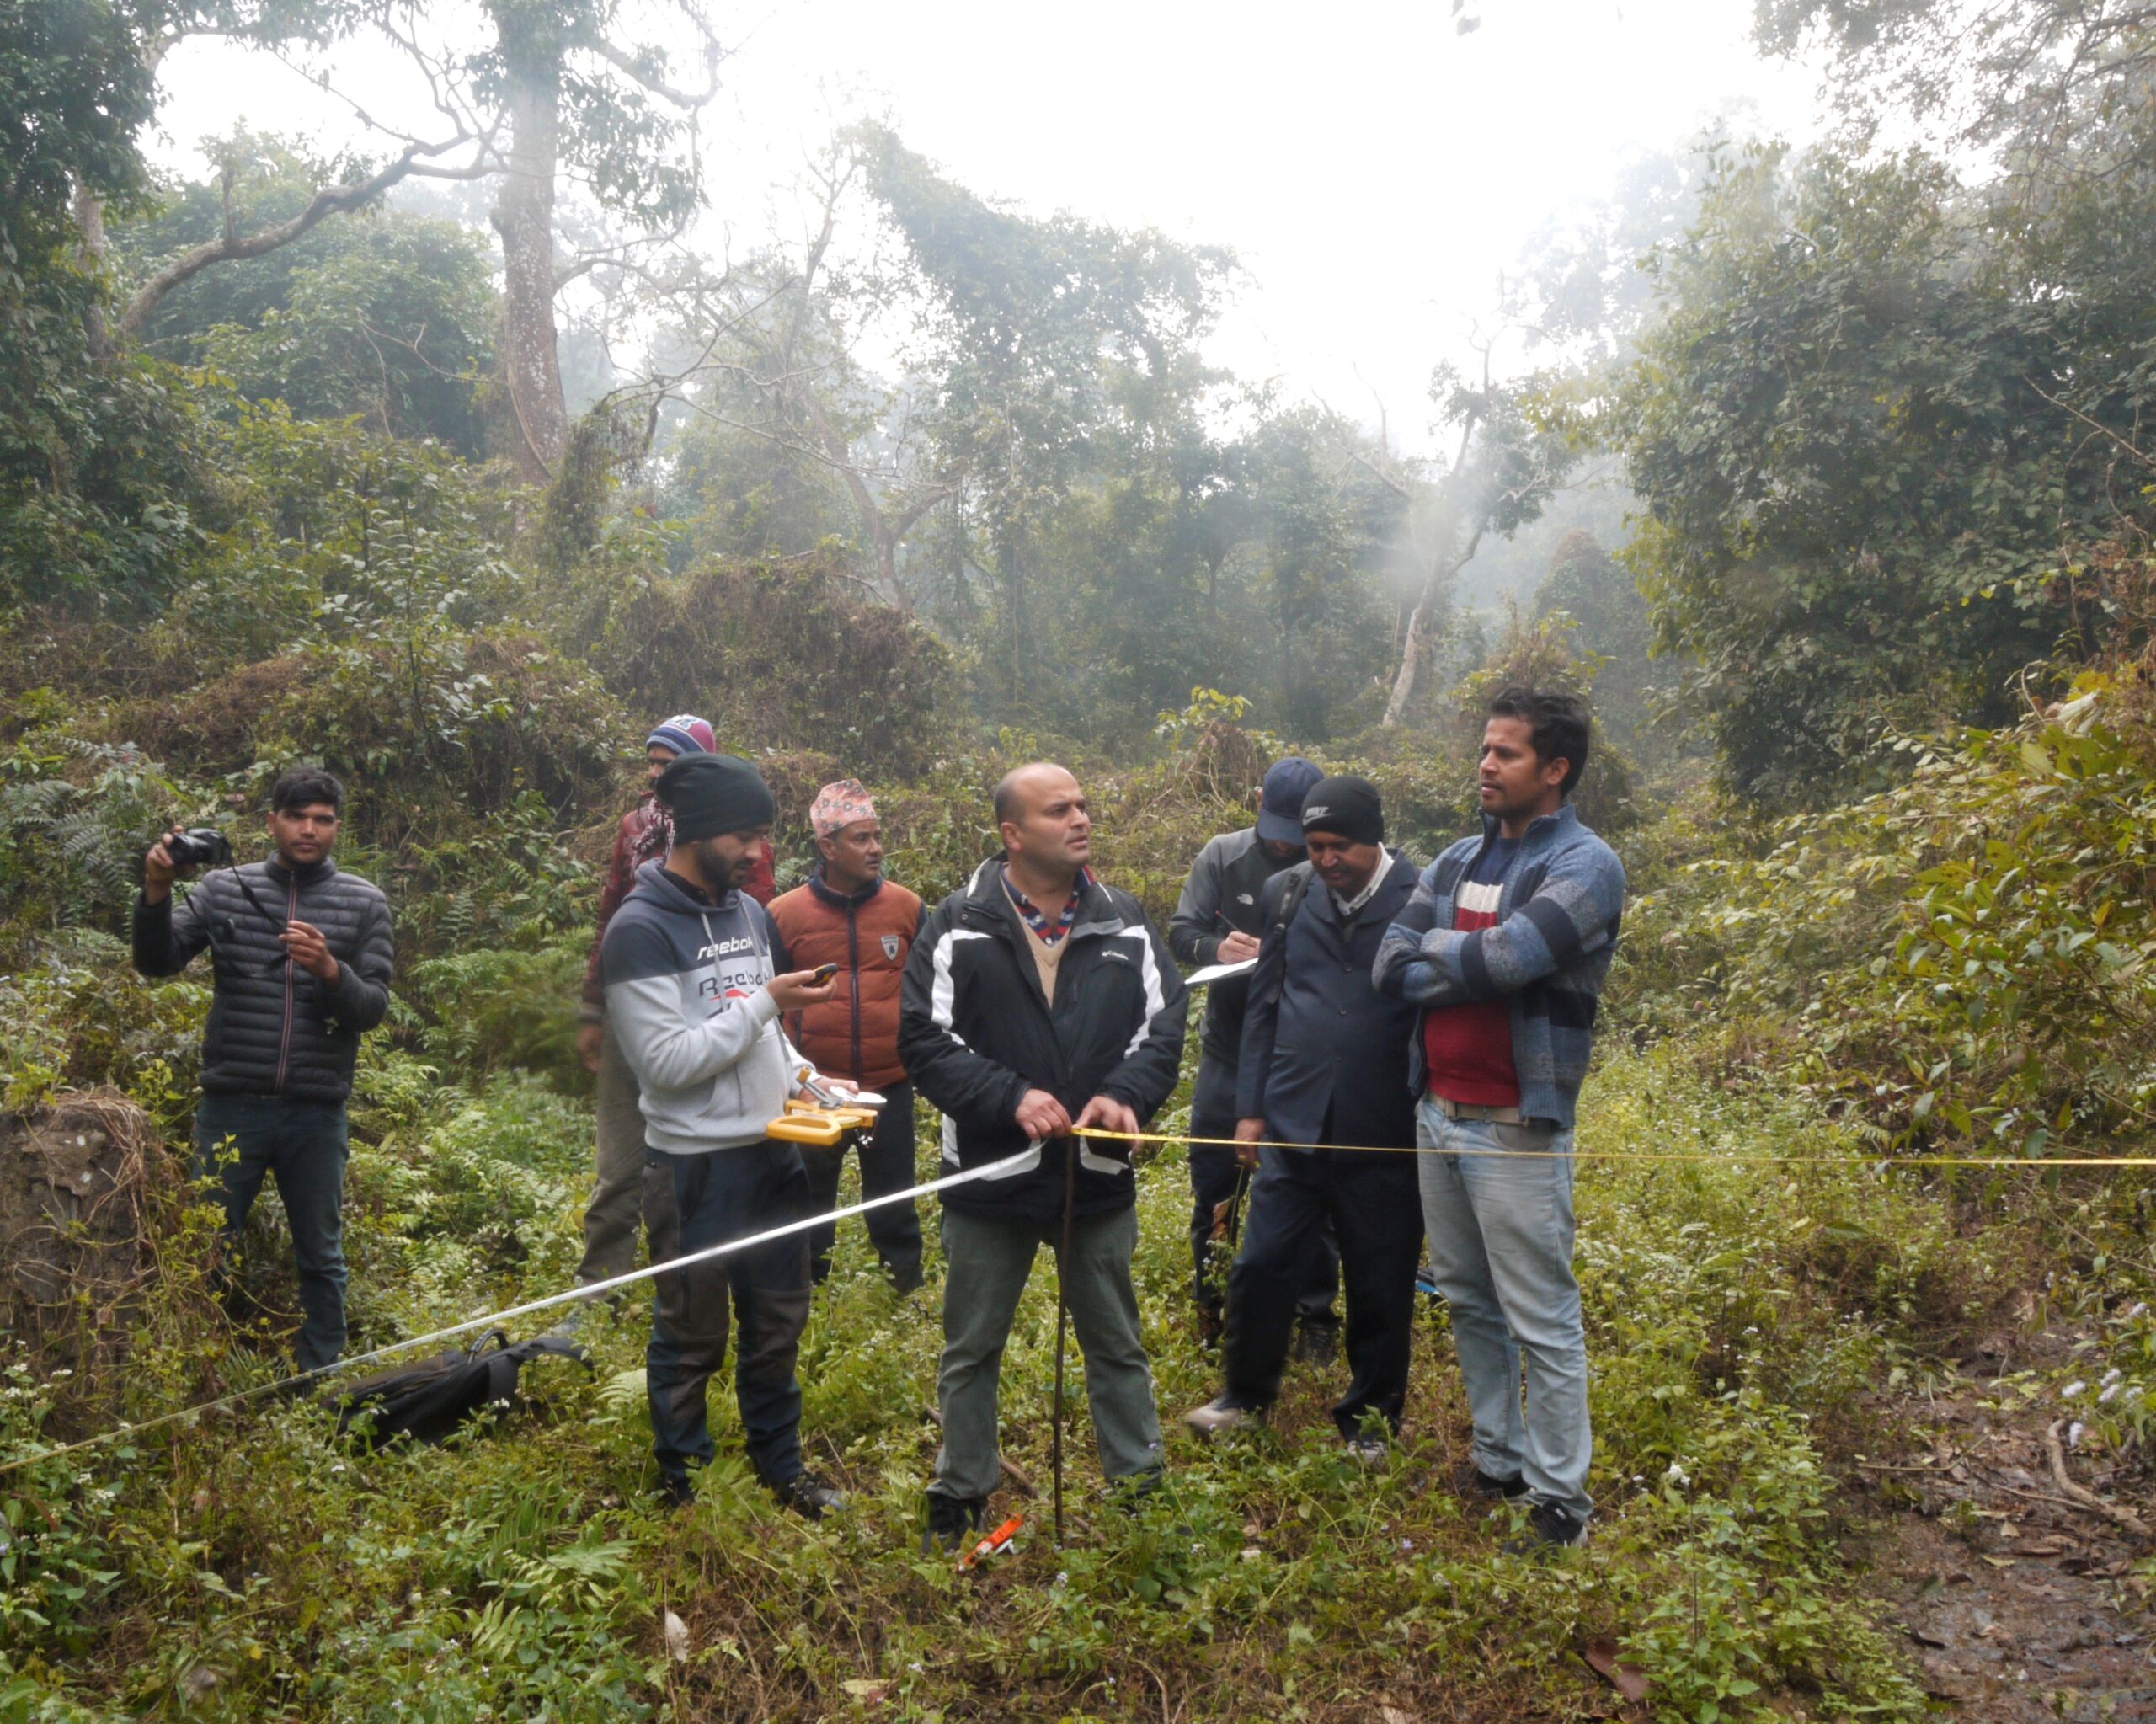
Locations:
{"points": [[976, 1031], [683, 979], [274, 1029]]}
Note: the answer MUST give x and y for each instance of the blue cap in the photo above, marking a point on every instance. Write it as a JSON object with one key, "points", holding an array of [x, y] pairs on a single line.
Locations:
{"points": [[1280, 810]]}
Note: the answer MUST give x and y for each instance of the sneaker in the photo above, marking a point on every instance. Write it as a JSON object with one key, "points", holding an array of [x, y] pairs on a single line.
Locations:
{"points": [[678, 1489], [1217, 1417], [1373, 1452], [1470, 1480], [952, 1521], [1549, 1527], [809, 1496], [1317, 1341]]}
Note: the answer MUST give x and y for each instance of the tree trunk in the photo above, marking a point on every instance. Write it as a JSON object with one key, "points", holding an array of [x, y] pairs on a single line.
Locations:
{"points": [[1014, 590], [1434, 598], [96, 253], [524, 216]]}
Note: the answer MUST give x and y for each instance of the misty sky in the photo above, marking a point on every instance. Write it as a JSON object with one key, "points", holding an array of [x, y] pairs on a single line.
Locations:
{"points": [[1373, 169]]}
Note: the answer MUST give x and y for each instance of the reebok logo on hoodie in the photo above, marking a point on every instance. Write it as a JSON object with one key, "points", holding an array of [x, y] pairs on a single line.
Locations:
{"points": [[684, 981]]}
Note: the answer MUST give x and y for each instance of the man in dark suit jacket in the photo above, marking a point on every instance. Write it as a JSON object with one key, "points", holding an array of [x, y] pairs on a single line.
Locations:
{"points": [[1324, 1060]]}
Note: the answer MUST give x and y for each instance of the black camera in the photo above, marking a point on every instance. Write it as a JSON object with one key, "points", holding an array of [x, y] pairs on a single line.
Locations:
{"points": [[199, 847]]}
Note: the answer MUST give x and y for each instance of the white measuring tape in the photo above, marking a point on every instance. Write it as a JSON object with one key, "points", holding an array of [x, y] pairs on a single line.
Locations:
{"points": [[591, 1289]]}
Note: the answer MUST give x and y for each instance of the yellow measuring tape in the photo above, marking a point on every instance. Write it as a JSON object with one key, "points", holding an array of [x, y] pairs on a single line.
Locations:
{"points": [[1695, 1156]]}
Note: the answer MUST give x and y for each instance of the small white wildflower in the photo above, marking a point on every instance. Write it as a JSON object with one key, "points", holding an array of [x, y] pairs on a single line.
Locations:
{"points": [[2072, 1389], [2073, 1434], [2111, 1376], [2108, 1396], [1677, 1474]]}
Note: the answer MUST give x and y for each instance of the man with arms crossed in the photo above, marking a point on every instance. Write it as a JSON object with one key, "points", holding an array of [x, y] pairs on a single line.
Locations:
{"points": [[1037, 999], [1217, 922], [693, 997], [1504, 947]]}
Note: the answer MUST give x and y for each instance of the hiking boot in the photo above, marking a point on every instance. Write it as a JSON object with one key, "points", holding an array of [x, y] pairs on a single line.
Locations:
{"points": [[1317, 1341], [1371, 1452], [1549, 1529], [678, 1489], [1470, 1480], [1217, 1417], [808, 1495], [953, 1523]]}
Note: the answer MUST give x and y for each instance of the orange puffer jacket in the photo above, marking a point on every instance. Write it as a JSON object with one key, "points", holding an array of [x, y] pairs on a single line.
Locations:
{"points": [[868, 937]]}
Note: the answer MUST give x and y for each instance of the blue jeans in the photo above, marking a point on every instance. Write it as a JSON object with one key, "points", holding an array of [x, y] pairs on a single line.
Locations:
{"points": [[241, 1139], [1500, 1228], [705, 1200]]}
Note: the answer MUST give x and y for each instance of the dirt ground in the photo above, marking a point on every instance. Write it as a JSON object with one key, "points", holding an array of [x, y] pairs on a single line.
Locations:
{"points": [[2020, 1604]]}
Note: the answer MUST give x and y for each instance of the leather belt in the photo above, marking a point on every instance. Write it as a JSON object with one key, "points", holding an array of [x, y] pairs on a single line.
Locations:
{"points": [[1468, 1110]]}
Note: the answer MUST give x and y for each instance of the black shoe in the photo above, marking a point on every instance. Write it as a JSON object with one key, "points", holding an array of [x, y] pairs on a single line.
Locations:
{"points": [[952, 1522], [1470, 1480], [906, 1279], [808, 1495], [1317, 1341], [1549, 1529], [679, 1490]]}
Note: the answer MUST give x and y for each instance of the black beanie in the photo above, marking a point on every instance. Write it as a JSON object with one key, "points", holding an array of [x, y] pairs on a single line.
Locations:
{"points": [[709, 794], [1348, 806]]}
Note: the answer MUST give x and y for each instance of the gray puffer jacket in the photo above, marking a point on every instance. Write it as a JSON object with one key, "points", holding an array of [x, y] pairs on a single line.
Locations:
{"points": [[275, 1030]]}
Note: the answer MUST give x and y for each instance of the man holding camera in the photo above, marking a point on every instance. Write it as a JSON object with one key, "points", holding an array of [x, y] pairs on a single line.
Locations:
{"points": [[301, 956]]}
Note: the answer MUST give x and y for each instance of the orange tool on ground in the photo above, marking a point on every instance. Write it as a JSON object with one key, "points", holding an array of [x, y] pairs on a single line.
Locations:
{"points": [[995, 1544]]}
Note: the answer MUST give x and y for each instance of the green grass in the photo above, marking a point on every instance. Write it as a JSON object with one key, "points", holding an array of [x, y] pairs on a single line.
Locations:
{"points": [[258, 1567]]}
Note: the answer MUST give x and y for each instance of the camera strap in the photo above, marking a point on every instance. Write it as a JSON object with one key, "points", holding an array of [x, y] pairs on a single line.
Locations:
{"points": [[247, 892]]}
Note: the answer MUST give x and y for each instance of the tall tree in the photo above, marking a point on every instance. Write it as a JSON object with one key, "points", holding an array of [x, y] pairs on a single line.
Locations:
{"points": [[1026, 322]]}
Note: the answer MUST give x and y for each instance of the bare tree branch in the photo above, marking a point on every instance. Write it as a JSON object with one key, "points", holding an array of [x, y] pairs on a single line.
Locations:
{"points": [[331, 200]]}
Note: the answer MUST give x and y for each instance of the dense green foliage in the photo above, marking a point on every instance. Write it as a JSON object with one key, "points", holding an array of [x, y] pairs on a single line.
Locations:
{"points": [[1882, 424]]}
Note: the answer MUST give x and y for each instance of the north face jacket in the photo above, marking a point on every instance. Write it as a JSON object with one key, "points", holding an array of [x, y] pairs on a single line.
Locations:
{"points": [[274, 1029], [1220, 898], [1325, 1055], [686, 996], [976, 1031], [869, 936]]}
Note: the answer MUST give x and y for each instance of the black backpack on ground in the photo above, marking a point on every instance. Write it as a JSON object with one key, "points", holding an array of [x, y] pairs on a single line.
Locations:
{"points": [[429, 1400]]}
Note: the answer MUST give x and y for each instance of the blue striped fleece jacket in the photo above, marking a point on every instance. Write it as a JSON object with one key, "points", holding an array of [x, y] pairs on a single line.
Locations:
{"points": [[1558, 912]]}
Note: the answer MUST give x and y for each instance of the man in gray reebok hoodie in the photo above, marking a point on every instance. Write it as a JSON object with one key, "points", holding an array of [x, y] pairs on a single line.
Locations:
{"points": [[694, 1001]]}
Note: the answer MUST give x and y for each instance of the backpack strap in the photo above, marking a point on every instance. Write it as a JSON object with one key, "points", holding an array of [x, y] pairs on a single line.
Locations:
{"points": [[1291, 899]]}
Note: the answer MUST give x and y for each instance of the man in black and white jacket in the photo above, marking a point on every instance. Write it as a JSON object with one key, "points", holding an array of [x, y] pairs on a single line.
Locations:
{"points": [[1037, 1000], [300, 958]]}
